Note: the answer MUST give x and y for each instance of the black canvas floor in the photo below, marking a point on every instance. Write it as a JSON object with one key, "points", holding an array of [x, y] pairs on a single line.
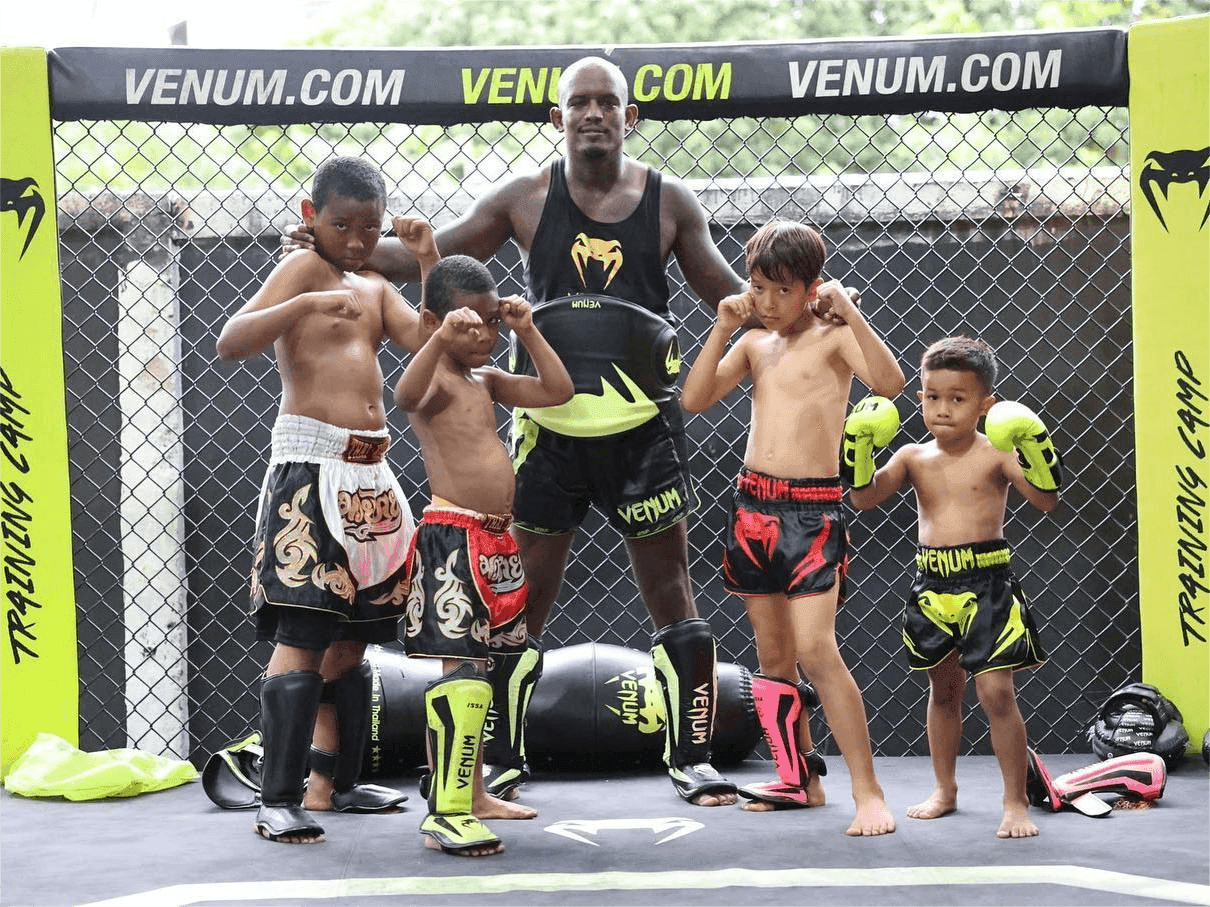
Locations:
{"points": [[620, 840]]}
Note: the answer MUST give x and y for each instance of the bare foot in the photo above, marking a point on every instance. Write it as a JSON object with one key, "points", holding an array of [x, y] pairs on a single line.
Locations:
{"points": [[489, 807], [317, 797], [318, 794], [937, 805], [715, 799], [289, 839], [1016, 823], [815, 797], [485, 850], [873, 818]]}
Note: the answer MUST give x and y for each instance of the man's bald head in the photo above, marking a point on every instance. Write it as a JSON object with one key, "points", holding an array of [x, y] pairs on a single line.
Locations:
{"points": [[615, 75]]}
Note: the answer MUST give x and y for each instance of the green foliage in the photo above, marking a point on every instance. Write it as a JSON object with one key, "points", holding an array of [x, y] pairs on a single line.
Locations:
{"points": [[754, 148], [471, 23], [185, 158]]}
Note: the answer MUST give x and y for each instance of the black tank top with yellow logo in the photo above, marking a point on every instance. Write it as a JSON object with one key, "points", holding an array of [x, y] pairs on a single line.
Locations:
{"points": [[572, 253], [600, 298]]}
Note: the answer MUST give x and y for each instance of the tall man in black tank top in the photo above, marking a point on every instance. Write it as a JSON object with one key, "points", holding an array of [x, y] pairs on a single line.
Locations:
{"points": [[600, 226]]}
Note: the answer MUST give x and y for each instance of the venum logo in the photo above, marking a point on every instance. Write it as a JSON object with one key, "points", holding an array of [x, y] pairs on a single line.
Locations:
{"points": [[606, 251], [1163, 168], [23, 197], [638, 701]]}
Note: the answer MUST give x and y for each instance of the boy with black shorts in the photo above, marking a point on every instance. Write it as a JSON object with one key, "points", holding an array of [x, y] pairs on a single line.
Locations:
{"points": [[468, 594], [787, 542], [333, 527], [966, 613]]}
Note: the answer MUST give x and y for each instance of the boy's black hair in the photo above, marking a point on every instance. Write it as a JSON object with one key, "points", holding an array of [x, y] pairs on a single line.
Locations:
{"points": [[351, 177], [785, 250], [963, 354], [452, 275]]}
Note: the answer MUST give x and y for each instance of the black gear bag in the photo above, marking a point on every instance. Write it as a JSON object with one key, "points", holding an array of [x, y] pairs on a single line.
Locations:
{"points": [[1138, 718]]}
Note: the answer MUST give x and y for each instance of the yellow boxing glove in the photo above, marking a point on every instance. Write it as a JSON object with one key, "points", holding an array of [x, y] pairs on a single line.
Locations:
{"points": [[1014, 425], [870, 426]]}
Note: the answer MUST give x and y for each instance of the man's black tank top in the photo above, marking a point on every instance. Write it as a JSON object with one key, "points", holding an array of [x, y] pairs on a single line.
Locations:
{"points": [[572, 253]]}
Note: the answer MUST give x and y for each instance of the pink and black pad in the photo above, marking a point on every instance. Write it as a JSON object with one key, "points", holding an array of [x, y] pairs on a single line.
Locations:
{"points": [[1039, 786], [1139, 776]]}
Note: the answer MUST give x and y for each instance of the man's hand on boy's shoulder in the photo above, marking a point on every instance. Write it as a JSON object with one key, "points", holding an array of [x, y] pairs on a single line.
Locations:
{"points": [[297, 236]]}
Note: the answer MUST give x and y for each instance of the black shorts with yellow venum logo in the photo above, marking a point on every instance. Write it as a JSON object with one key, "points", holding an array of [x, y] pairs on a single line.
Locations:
{"points": [[639, 478], [966, 598]]}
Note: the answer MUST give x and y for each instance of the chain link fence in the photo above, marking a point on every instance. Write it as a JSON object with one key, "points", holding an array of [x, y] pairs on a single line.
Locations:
{"points": [[933, 216]]}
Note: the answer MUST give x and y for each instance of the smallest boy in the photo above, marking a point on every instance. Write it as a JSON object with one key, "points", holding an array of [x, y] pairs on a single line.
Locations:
{"points": [[966, 613], [468, 590]]}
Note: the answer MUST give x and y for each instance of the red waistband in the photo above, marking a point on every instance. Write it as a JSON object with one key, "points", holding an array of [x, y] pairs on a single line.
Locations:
{"points": [[495, 523], [771, 488], [365, 450]]}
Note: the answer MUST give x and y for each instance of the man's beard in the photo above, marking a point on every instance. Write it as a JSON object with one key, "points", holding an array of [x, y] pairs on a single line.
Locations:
{"points": [[595, 152]]}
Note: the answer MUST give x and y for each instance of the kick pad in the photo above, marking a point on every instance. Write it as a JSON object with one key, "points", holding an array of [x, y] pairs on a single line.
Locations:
{"points": [[623, 360]]}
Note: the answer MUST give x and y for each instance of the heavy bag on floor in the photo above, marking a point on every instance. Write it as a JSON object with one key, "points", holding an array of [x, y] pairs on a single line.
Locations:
{"points": [[598, 706], [397, 719]]}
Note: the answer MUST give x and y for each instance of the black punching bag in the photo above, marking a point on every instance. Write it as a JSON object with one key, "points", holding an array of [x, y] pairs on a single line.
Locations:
{"points": [[597, 707]]}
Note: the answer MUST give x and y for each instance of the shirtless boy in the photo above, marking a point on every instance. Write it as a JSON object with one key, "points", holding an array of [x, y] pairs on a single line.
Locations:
{"points": [[787, 544], [468, 592], [966, 613], [325, 572]]}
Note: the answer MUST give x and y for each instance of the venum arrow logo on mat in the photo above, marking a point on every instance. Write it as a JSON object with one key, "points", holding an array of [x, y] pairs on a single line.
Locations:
{"points": [[22, 196], [670, 827], [1163, 168]]}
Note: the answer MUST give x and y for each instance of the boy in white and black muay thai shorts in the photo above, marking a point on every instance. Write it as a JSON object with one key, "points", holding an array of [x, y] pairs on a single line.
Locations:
{"points": [[329, 564], [333, 526]]}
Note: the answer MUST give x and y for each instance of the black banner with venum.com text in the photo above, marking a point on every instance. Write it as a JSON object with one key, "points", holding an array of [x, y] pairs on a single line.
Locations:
{"points": [[668, 82]]}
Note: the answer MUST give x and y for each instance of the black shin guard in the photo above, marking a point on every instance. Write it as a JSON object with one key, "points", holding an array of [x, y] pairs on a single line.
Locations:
{"points": [[289, 703], [513, 676], [349, 695], [684, 659]]}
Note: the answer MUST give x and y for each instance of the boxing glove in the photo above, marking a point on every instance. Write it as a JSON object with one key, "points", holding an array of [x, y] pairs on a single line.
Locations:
{"points": [[1013, 425], [870, 426]]}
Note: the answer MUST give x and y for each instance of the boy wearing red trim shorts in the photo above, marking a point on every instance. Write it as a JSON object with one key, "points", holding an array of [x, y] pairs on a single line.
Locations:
{"points": [[468, 593], [787, 541], [966, 614]]}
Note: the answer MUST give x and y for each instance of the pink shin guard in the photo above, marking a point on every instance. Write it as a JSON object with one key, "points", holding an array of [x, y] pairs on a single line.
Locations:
{"points": [[1139, 776], [779, 708]]}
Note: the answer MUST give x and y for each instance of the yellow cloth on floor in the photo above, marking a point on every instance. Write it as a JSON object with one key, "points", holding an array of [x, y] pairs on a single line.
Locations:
{"points": [[52, 767]]}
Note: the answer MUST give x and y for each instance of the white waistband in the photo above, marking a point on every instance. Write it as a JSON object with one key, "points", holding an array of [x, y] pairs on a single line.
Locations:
{"points": [[303, 438]]}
